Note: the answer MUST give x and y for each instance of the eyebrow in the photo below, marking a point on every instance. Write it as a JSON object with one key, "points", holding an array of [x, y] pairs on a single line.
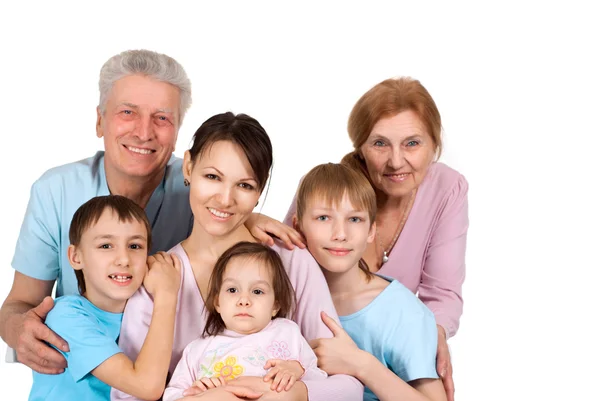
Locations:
{"points": [[263, 282], [109, 236], [219, 171], [135, 106]]}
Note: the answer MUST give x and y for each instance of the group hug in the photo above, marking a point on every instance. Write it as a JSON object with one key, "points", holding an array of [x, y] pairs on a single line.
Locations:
{"points": [[168, 286]]}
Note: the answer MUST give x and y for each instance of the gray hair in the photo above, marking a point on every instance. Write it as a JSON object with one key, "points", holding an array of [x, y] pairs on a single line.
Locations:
{"points": [[148, 63]]}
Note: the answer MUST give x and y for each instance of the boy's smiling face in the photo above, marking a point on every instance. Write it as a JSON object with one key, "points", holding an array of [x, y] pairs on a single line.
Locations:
{"points": [[336, 235], [112, 255]]}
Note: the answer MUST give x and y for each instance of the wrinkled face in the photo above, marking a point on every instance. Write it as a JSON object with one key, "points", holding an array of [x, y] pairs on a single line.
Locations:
{"points": [[398, 153], [246, 300], [112, 255], [139, 126], [223, 188], [336, 236]]}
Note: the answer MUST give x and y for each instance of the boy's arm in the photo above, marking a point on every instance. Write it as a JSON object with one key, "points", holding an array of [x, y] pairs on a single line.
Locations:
{"points": [[145, 378], [388, 387]]}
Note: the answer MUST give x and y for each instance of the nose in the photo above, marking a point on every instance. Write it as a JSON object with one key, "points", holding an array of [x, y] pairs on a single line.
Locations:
{"points": [[122, 257], [144, 130], [397, 159], [244, 300], [339, 231], [226, 197]]}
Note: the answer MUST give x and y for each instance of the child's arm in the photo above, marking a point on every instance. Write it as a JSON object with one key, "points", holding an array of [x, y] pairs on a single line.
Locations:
{"points": [[185, 373], [340, 355], [145, 378], [388, 387]]}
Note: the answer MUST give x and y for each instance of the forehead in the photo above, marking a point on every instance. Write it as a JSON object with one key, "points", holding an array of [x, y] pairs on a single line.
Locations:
{"points": [[247, 268], [227, 156], [144, 92], [109, 224], [338, 202], [403, 124]]}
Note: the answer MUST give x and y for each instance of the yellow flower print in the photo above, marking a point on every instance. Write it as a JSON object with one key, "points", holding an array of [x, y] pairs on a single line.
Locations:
{"points": [[228, 370]]}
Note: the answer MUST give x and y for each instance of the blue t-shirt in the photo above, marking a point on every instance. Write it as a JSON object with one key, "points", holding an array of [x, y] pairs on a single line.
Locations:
{"points": [[41, 250], [399, 330], [92, 337]]}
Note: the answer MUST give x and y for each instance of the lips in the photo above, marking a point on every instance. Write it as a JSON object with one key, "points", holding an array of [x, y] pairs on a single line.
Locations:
{"points": [[397, 177], [338, 251], [219, 213], [140, 151]]}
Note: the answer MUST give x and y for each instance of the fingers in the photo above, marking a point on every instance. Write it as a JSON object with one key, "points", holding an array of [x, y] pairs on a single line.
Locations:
{"points": [[332, 325], [176, 262], [43, 308], [290, 383], [44, 333], [243, 392], [271, 363], [281, 380], [41, 358], [449, 384], [194, 390]]}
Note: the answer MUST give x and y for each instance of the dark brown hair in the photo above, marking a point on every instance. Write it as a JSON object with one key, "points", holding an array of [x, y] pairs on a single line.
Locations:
{"points": [[285, 297], [243, 131], [387, 99], [330, 182], [90, 212]]}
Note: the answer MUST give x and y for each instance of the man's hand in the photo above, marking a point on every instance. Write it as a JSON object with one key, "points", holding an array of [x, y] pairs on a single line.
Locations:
{"points": [[283, 373], [31, 332]]}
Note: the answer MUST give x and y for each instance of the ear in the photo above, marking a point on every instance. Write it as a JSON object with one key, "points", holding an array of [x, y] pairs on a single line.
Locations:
{"points": [[74, 257], [372, 232], [99, 132], [275, 310], [188, 164], [295, 222]]}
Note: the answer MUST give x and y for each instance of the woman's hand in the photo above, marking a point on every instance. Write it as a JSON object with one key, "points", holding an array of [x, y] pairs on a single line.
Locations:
{"points": [[263, 228], [444, 365], [337, 355]]}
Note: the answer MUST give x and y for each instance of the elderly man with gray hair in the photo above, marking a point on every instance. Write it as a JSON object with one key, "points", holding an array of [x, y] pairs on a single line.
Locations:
{"points": [[144, 96]]}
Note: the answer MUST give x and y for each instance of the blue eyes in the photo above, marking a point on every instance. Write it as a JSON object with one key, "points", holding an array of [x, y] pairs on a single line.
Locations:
{"points": [[412, 143], [351, 219], [355, 219], [322, 218], [379, 143]]}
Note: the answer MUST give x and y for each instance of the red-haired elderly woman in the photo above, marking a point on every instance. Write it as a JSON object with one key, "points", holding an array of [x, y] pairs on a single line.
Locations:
{"points": [[422, 216]]}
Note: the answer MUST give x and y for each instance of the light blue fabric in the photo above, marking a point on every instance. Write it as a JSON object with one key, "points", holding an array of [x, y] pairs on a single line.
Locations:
{"points": [[399, 330], [41, 250], [92, 337]]}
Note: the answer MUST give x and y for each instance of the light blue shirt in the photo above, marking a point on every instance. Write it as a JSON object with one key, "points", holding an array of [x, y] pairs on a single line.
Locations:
{"points": [[41, 250], [399, 330], [92, 336]]}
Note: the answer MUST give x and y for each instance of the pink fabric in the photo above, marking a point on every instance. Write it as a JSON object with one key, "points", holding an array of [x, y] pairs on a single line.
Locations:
{"points": [[231, 355], [429, 255], [312, 296]]}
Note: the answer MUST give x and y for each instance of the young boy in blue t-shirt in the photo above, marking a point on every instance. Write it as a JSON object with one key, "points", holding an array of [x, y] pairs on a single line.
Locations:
{"points": [[389, 337], [110, 237]]}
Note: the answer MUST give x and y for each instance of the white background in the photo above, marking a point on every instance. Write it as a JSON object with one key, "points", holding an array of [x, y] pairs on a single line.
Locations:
{"points": [[517, 86]]}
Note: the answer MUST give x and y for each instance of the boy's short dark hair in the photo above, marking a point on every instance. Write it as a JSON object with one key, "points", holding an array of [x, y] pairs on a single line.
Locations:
{"points": [[285, 297], [89, 213]]}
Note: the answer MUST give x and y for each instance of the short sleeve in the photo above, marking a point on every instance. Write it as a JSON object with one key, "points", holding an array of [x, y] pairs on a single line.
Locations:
{"points": [[37, 250], [412, 355], [185, 374], [89, 342]]}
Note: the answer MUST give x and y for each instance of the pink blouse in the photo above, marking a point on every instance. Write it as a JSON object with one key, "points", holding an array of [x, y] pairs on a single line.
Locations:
{"points": [[429, 256], [312, 295]]}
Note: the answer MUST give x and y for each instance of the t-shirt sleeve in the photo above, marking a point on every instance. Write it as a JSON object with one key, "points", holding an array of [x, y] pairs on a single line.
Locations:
{"points": [[89, 343], [185, 374], [306, 355], [37, 250], [412, 349]]}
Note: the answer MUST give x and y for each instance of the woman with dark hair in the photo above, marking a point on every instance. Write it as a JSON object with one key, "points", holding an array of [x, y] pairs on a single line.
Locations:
{"points": [[227, 169]]}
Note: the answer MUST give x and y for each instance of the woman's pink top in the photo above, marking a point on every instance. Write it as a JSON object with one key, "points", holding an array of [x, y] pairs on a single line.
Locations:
{"points": [[312, 295], [429, 255]]}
